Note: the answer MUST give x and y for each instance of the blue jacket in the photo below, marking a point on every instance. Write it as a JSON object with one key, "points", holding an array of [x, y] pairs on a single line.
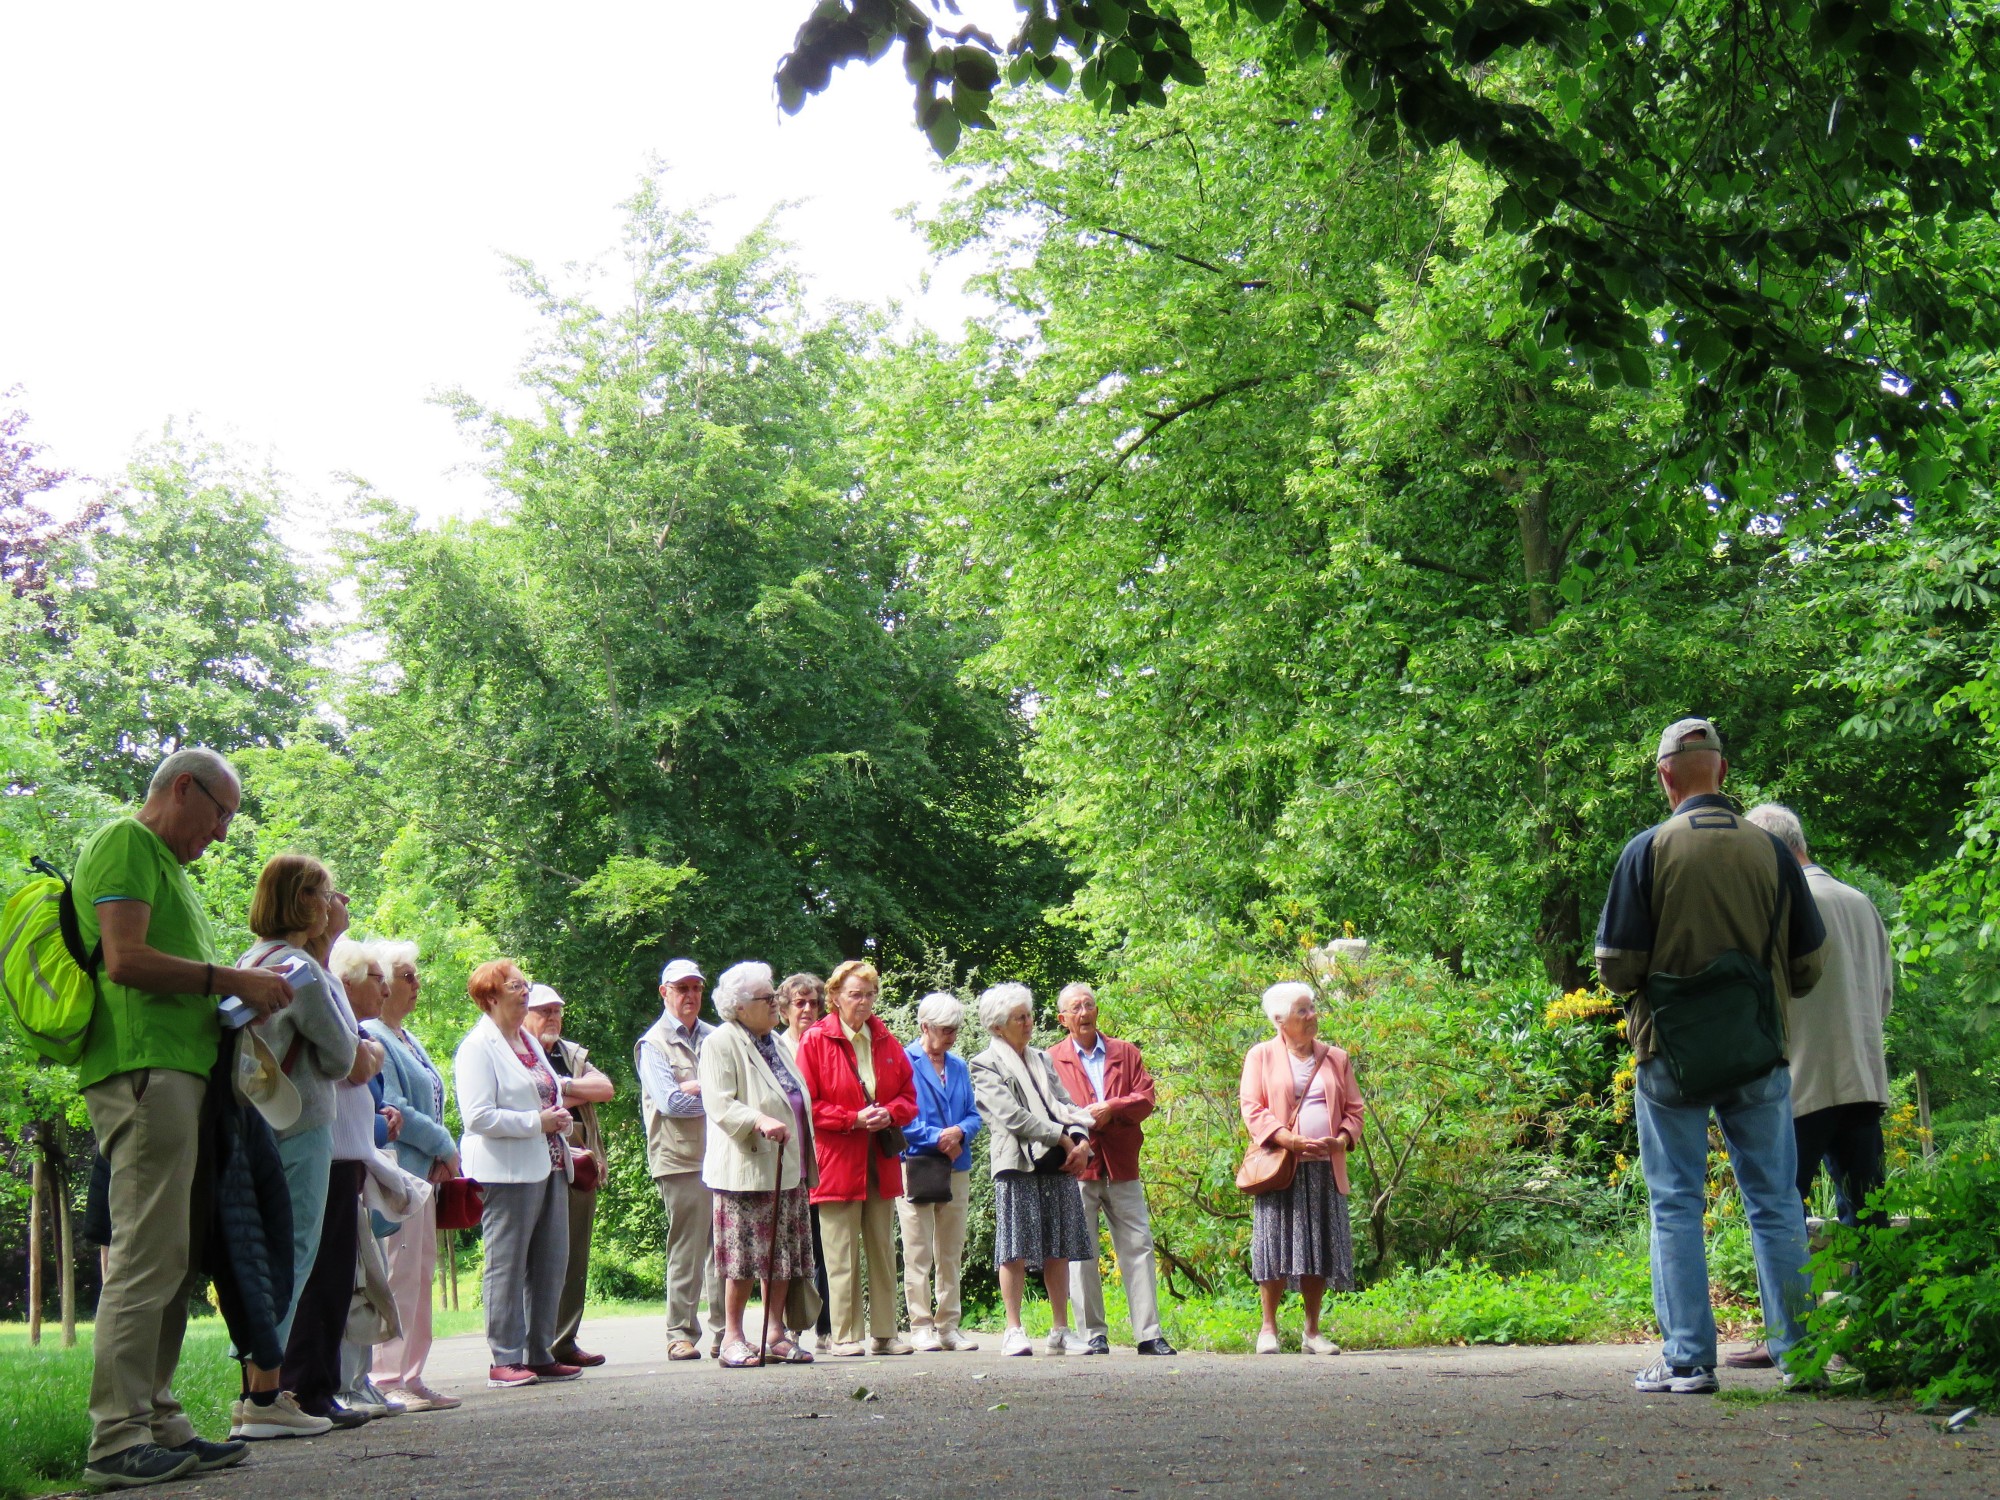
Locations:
{"points": [[942, 1105], [406, 1083]]}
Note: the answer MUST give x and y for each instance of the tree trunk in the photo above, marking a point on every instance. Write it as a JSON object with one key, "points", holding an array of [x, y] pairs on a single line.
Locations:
{"points": [[1539, 563], [39, 1177], [1559, 935], [66, 1238]]}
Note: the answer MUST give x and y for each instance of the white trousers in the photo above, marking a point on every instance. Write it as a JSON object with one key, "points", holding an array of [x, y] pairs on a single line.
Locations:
{"points": [[1123, 1205]]}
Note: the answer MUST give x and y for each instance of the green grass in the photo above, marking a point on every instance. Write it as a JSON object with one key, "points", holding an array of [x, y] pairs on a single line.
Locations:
{"points": [[45, 1400], [45, 1391]]}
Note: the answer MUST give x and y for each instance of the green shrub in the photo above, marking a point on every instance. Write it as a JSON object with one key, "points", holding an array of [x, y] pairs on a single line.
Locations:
{"points": [[1916, 1307]]}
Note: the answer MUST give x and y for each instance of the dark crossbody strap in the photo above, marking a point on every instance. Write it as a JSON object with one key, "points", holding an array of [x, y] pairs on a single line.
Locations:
{"points": [[1777, 912]]}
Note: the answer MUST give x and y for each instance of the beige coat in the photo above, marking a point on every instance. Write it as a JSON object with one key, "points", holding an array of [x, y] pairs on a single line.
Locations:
{"points": [[1022, 1118], [737, 1086]]}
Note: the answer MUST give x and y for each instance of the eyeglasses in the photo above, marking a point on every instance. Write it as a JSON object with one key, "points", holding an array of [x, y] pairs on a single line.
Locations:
{"points": [[228, 813]]}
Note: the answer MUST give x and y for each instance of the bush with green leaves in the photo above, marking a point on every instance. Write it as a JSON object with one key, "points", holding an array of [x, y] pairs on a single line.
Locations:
{"points": [[1916, 1305]]}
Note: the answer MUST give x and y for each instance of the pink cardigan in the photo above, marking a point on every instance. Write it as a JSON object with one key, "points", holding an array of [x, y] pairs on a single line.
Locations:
{"points": [[1267, 1098]]}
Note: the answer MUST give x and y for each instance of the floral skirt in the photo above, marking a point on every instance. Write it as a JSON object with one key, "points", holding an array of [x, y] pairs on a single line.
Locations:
{"points": [[756, 1237], [1303, 1231], [1039, 1217]]}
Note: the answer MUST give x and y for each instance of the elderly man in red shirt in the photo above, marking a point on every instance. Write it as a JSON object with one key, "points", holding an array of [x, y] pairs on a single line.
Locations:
{"points": [[1109, 1078]]}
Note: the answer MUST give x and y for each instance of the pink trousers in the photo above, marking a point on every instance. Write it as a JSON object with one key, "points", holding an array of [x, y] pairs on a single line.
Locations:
{"points": [[412, 1252]]}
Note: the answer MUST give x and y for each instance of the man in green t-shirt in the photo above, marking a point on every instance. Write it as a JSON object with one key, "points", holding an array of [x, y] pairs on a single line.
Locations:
{"points": [[153, 1039]]}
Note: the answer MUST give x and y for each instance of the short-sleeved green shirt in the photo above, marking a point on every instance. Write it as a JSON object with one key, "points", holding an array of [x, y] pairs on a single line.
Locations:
{"points": [[126, 861]]}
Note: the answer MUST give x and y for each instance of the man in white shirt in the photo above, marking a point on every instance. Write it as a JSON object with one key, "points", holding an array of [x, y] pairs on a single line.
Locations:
{"points": [[667, 1061], [1840, 1073]]}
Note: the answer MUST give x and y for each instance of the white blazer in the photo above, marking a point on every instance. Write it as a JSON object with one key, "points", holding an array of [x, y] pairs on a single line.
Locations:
{"points": [[502, 1109]]}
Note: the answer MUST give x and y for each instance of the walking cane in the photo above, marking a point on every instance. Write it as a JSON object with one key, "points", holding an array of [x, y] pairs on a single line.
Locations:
{"points": [[771, 1255]]}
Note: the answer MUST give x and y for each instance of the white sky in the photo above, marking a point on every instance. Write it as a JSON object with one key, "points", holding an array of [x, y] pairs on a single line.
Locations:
{"points": [[287, 221]]}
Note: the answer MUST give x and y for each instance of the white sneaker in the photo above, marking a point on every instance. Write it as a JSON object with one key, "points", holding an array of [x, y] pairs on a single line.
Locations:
{"points": [[281, 1419], [1015, 1341], [1066, 1341], [956, 1342], [890, 1345], [1318, 1343], [1267, 1342], [925, 1340]]}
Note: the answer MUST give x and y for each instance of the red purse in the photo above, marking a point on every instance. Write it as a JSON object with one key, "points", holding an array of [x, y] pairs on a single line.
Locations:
{"points": [[589, 1172], [460, 1203]]}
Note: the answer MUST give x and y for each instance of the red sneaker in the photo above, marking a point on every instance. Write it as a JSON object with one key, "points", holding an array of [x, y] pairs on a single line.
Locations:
{"points": [[502, 1377], [555, 1370]]}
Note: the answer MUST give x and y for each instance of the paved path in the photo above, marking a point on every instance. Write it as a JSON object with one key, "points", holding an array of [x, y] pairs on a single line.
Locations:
{"points": [[1406, 1423]]}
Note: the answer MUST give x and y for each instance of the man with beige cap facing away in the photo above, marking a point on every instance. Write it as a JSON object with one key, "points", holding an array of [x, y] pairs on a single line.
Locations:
{"points": [[668, 1059], [1709, 930], [584, 1086]]}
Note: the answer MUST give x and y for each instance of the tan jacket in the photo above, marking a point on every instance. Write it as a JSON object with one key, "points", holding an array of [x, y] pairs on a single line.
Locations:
{"points": [[1024, 1105], [737, 1087]]}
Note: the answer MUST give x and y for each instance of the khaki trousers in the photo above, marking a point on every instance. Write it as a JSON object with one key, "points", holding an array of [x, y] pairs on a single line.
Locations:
{"points": [[691, 1277], [148, 1126], [934, 1244], [576, 1283], [846, 1229], [1123, 1205]]}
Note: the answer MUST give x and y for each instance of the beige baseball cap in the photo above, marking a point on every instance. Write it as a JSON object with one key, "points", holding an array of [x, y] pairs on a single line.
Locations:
{"points": [[261, 1083], [1688, 734]]}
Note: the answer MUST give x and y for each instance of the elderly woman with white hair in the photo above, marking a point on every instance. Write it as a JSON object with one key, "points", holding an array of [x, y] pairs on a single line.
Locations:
{"points": [[937, 1178], [757, 1163], [1040, 1140], [1298, 1096], [426, 1148]]}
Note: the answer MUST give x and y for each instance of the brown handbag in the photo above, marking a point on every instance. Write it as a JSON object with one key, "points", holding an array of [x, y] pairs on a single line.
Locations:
{"points": [[1267, 1168]]}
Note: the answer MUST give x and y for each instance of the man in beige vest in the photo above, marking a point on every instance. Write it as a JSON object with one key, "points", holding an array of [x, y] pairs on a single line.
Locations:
{"points": [[584, 1086], [667, 1058]]}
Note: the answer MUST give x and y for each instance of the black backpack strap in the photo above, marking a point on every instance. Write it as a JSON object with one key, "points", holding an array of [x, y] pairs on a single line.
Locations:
{"points": [[72, 929], [1777, 908]]}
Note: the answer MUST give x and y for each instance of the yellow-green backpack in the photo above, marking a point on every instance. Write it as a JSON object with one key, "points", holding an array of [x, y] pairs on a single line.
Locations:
{"points": [[49, 979]]}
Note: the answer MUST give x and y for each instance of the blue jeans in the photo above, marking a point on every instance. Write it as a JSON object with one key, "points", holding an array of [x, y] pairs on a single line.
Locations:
{"points": [[1673, 1151]]}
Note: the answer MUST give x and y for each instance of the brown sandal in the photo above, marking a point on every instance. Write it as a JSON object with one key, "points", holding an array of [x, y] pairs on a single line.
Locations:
{"points": [[737, 1355], [787, 1352]]}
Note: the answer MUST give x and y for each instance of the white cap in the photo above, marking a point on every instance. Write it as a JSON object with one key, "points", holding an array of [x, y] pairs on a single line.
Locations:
{"points": [[679, 969], [542, 995], [261, 1082]]}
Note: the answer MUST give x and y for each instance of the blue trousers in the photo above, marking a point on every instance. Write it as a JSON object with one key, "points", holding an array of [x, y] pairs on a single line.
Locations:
{"points": [[308, 1158], [1673, 1151]]}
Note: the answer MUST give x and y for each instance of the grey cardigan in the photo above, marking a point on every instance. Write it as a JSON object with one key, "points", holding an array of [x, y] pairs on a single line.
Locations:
{"points": [[317, 1021], [1022, 1119]]}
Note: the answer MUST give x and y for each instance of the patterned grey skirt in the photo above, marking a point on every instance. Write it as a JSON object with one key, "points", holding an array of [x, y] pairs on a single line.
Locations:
{"points": [[1303, 1231], [755, 1238], [1038, 1217]]}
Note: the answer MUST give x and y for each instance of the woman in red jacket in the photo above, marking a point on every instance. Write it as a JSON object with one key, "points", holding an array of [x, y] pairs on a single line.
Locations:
{"points": [[1299, 1093], [861, 1085]]}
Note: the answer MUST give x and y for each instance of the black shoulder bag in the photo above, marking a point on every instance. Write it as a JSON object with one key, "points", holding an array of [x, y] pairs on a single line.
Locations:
{"points": [[1720, 1028]]}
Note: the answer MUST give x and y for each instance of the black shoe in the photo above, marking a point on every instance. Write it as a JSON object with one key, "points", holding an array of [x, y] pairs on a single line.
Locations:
{"points": [[1157, 1346], [210, 1456], [341, 1417], [129, 1468], [1099, 1344]]}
